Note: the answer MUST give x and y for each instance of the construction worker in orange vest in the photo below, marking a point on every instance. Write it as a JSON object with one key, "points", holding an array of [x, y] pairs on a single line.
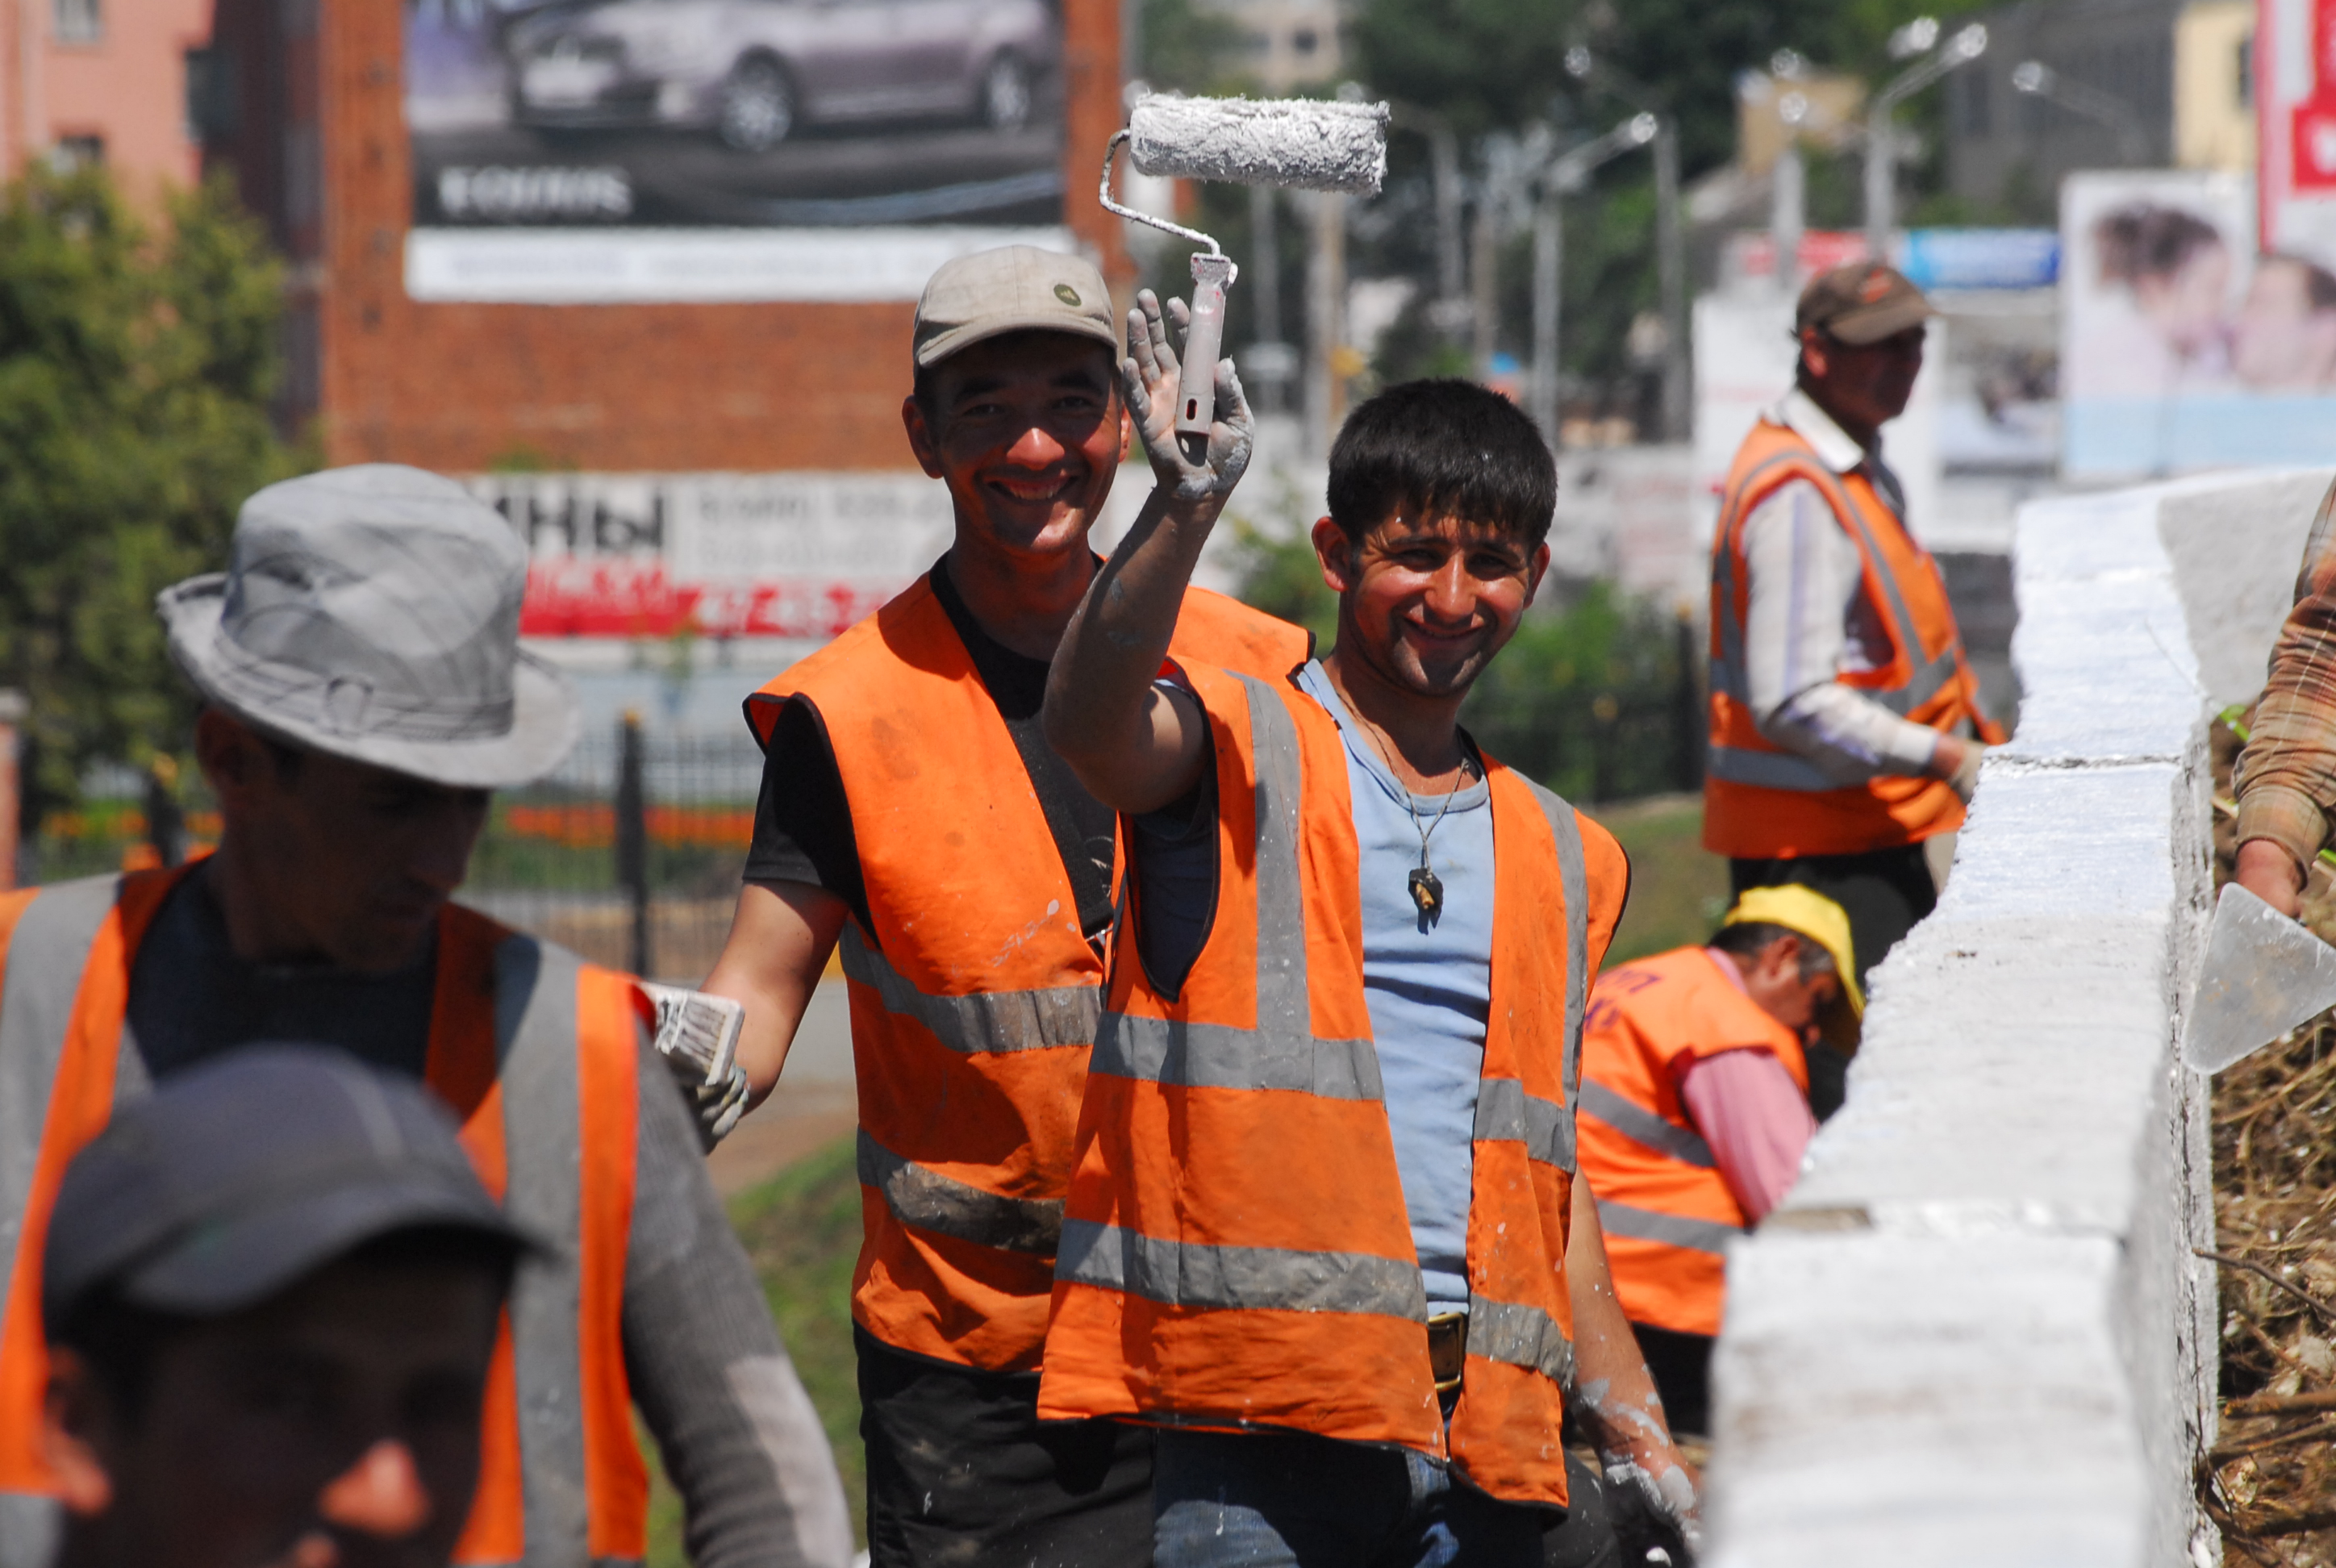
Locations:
{"points": [[1324, 1232], [1846, 730], [1695, 1111], [364, 693], [912, 810], [280, 1207]]}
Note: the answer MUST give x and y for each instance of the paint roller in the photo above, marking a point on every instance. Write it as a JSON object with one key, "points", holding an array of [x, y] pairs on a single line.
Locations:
{"points": [[1305, 145]]}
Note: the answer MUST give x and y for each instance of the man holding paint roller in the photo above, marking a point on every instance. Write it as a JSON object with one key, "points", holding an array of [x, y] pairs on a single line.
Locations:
{"points": [[1324, 1230]]}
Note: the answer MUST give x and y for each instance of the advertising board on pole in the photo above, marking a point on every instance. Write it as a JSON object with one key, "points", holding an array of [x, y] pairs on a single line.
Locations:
{"points": [[2184, 346], [576, 151]]}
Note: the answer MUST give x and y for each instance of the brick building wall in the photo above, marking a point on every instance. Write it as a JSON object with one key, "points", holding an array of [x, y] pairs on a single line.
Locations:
{"points": [[320, 148]]}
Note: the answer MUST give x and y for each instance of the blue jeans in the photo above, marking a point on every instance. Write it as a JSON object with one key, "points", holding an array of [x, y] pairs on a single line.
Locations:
{"points": [[1292, 1500]]}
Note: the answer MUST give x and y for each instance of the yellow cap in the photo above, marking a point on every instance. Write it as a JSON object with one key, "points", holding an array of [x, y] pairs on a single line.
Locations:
{"points": [[1812, 915]]}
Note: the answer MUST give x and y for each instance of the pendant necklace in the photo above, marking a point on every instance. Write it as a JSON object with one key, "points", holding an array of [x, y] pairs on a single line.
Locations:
{"points": [[1425, 887]]}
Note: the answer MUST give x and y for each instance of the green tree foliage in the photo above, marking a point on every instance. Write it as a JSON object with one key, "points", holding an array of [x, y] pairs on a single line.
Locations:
{"points": [[1590, 698], [136, 370]]}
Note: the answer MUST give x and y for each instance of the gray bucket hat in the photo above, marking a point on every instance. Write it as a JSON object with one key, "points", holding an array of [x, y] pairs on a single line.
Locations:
{"points": [[372, 613]]}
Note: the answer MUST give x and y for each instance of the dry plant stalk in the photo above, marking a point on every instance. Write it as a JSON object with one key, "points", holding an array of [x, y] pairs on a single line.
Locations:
{"points": [[2271, 1481]]}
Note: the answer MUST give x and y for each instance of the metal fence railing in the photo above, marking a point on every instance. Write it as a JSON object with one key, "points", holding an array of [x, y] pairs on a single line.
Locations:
{"points": [[630, 854]]}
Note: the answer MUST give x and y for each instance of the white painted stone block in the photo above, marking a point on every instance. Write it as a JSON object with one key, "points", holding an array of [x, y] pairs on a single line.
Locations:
{"points": [[1977, 1331]]}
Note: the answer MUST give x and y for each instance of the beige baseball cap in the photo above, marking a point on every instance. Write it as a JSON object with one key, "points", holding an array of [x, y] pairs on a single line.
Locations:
{"points": [[1013, 288]]}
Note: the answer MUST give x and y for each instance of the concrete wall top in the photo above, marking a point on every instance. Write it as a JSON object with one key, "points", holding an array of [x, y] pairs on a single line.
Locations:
{"points": [[1977, 1331]]}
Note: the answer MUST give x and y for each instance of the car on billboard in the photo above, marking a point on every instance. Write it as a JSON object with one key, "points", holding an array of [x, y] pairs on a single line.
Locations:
{"points": [[755, 71]]}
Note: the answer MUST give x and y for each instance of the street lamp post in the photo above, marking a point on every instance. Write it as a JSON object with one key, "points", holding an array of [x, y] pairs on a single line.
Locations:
{"points": [[2039, 80], [1671, 243], [1881, 136], [1558, 177]]}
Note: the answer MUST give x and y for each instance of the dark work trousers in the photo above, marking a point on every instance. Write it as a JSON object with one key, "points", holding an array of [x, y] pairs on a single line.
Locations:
{"points": [[1882, 891], [961, 1473], [1680, 1365]]}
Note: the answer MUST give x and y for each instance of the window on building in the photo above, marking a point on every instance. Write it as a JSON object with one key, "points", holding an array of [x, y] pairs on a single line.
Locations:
{"points": [[210, 95], [1305, 39], [2246, 72], [76, 20], [71, 152]]}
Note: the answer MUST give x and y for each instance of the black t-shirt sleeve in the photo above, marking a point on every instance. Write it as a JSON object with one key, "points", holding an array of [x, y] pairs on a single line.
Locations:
{"points": [[802, 821]]}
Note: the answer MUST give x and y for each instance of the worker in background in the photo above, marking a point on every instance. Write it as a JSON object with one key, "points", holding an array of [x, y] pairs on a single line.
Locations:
{"points": [[1323, 1231], [363, 694], [1846, 730], [270, 1295], [2285, 779], [1695, 1112], [912, 810]]}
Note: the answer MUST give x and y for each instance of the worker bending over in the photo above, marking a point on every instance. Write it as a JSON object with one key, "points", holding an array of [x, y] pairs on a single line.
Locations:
{"points": [[911, 808], [365, 694], [1323, 1231], [1695, 1112], [1845, 725]]}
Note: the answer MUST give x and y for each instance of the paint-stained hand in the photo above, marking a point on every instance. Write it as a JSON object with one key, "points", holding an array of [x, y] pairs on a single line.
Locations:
{"points": [[1153, 376]]}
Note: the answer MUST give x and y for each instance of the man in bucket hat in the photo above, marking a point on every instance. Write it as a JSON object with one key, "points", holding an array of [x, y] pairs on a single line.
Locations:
{"points": [[364, 692], [911, 808], [271, 1292], [1845, 725]]}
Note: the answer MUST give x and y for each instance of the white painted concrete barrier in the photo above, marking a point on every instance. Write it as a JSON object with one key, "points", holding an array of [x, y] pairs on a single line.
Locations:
{"points": [[1976, 1332]]}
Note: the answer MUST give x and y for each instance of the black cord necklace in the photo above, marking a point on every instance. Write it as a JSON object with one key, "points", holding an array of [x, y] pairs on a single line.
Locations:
{"points": [[1425, 887]]}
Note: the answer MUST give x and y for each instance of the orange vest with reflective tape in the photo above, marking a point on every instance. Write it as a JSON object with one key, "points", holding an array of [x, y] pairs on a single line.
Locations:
{"points": [[974, 998], [1236, 1251], [534, 1050], [1668, 1213], [1762, 801]]}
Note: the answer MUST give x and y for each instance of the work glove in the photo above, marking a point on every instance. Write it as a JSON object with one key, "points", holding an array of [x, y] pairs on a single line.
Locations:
{"points": [[1152, 376], [718, 1105], [1964, 780], [1655, 1518]]}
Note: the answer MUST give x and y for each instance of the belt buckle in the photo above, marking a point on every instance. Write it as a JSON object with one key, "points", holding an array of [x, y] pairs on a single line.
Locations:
{"points": [[1447, 1349]]}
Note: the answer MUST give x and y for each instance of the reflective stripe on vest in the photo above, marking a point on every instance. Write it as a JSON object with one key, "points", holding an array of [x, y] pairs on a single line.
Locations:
{"points": [[535, 1052], [978, 1021], [1675, 1230], [1643, 1126], [1239, 1279], [920, 1196]]}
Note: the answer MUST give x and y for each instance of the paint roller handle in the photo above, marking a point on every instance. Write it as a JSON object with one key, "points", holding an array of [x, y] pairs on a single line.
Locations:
{"points": [[1204, 338]]}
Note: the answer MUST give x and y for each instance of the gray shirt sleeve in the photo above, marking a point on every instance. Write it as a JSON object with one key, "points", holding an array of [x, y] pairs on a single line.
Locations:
{"points": [[738, 1435]]}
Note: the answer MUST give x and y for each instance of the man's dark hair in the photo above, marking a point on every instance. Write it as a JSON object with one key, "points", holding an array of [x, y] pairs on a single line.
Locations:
{"points": [[1748, 940], [123, 1342], [1442, 447]]}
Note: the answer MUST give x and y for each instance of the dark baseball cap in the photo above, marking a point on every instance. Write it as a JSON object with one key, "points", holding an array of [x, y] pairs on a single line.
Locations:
{"points": [[238, 1177], [1861, 303]]}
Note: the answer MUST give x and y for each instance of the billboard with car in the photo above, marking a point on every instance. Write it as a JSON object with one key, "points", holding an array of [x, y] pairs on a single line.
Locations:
{"points": [[540, 125]]}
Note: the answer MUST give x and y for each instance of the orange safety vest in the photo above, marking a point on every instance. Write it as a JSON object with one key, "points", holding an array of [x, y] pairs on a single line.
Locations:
{"points": [[1236, 1252], [975, 997], [534, 1050], [1761, 800], [1667, 1215]]}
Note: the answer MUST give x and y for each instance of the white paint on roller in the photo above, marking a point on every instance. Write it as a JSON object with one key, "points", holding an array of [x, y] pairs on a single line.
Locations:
{"points": [[1976, 1332], [1306, 145]]}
